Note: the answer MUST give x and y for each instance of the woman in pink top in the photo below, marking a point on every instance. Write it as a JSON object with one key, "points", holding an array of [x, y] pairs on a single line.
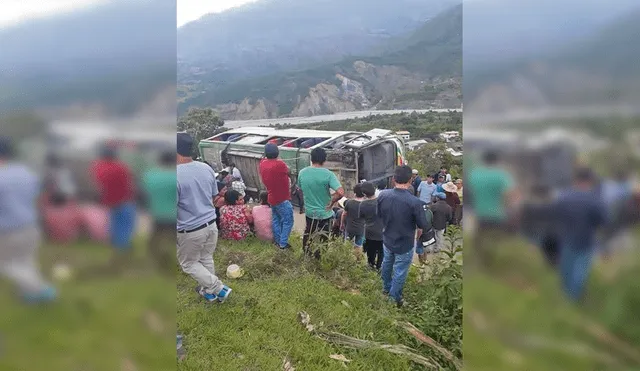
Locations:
{"points": [[262, 219]]}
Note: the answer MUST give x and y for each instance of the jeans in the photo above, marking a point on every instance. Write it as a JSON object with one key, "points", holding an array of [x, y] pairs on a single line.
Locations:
{"points": [[122, 225], [282, 222], [575, 265], [395, 268]]}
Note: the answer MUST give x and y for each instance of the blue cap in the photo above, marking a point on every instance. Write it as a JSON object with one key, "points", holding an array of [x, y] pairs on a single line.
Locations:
{"points": [[441, 195], [271, 151], [184, 144]]}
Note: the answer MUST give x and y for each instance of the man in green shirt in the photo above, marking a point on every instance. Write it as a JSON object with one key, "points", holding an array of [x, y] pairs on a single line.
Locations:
{"points": [[159, 184], [492, 189], [316, 183]]}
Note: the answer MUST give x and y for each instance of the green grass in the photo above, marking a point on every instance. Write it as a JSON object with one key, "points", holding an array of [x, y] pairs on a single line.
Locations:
{"points": [[257, 328], [516, 318], [97, 324]]}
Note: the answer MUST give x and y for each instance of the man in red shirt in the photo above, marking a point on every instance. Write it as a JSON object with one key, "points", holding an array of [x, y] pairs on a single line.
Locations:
{"points": [[117, 192], [275, 176]]}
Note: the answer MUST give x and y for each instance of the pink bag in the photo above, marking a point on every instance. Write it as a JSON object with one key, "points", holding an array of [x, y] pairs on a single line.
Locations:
{"points": [[62, 223], [95, 220]]}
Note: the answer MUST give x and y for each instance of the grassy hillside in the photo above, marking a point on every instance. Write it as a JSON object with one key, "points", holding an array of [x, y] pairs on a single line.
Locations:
{"points": [[258, 327]]}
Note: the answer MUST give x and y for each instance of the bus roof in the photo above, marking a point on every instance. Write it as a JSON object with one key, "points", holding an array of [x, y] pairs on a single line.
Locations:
{"points": [[297, 133]]}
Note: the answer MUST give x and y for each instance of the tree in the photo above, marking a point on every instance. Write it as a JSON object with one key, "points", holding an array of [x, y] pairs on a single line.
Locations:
{"points": [[430, 157], [201, 123]]}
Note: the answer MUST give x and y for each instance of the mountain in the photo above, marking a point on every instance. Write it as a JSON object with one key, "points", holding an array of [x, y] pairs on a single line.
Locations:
{"points": [[600, 69], [422, 69], [118, 55], [271, 36], [503, 31]]}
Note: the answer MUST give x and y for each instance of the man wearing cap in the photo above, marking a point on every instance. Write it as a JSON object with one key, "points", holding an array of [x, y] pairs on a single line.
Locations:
{"points": [[402, 214], [197, 230], [116, 185], [415, 180], [275, 177], [19, 231]]}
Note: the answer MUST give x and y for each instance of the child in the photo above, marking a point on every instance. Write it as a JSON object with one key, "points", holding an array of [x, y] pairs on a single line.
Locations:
{"points": [[262, 219], [353, 223], [238, 186], [373, 226]]}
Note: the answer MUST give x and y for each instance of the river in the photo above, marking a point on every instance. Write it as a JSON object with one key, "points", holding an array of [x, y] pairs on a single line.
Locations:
{"points": [[234, 124]]}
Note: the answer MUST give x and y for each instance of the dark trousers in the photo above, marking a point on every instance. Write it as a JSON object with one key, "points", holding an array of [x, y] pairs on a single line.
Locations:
{"points": [[316, 230], [162, 246], [297, 194], [374, 253]]}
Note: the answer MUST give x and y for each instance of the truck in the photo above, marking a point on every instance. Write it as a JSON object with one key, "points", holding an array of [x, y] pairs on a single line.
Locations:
{"points": [[353, 156]]}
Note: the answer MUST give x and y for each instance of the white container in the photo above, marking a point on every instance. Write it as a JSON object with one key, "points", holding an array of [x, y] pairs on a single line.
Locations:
{"points": [[234, 271]]}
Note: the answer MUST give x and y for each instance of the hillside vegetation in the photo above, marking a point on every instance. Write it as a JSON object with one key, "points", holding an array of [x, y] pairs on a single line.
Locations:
{"points": [[421, 70]]}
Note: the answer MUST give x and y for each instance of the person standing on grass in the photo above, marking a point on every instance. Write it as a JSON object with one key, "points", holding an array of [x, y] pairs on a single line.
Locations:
{"points": [[316, 183], [20, 235], [160, 192], [275, 177], [402, 214], [493, 191], [196, 228], [442, 217], [373, 226], [263, 219], [427, 190], [117, 187], [452, 199], [353, 222], [579, 214]]}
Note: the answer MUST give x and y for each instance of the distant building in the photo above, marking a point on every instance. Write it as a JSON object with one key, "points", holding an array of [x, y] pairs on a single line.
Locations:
{"points": [[449, 135], [415, 144], [405, 135]]}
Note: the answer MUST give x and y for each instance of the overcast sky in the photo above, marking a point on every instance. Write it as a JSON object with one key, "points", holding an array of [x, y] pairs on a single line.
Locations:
{"points": [[190, 10], [15, 11]]}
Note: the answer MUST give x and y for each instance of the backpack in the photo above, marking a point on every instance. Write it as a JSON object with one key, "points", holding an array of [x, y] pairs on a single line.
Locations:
{"points": [[428, 236]]}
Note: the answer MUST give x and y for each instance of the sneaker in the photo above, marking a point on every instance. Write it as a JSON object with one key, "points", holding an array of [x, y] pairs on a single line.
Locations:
{"points": [[288, 246], [224, 293], [207, 296]]}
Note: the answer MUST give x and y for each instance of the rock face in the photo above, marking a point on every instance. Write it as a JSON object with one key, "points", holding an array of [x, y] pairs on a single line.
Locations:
{"points": [[245, 110], [367, 86], [324, 99]]}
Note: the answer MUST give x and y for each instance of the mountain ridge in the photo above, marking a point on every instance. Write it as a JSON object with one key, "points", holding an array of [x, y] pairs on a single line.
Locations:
{"points": [[421, 70]]}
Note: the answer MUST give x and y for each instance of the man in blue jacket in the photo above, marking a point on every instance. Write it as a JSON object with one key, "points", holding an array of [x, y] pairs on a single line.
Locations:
{"points": [[402, 214]]}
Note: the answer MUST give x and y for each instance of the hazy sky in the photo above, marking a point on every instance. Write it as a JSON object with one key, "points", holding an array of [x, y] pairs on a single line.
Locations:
{"points": [[190, 10], [14, 11]]}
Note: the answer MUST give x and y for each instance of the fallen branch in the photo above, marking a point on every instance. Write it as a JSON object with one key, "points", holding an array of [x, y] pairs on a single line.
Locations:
{"points": [[355, 343], [574, 349], [427, 340], [605, 337]]}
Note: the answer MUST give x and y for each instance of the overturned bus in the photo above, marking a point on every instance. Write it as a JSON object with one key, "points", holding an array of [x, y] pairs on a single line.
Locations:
{"points": [[352, 156]]}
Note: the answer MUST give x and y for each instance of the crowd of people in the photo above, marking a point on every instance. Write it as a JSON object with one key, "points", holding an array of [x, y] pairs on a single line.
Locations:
{"points": [[570, 226], [388, 225]]}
